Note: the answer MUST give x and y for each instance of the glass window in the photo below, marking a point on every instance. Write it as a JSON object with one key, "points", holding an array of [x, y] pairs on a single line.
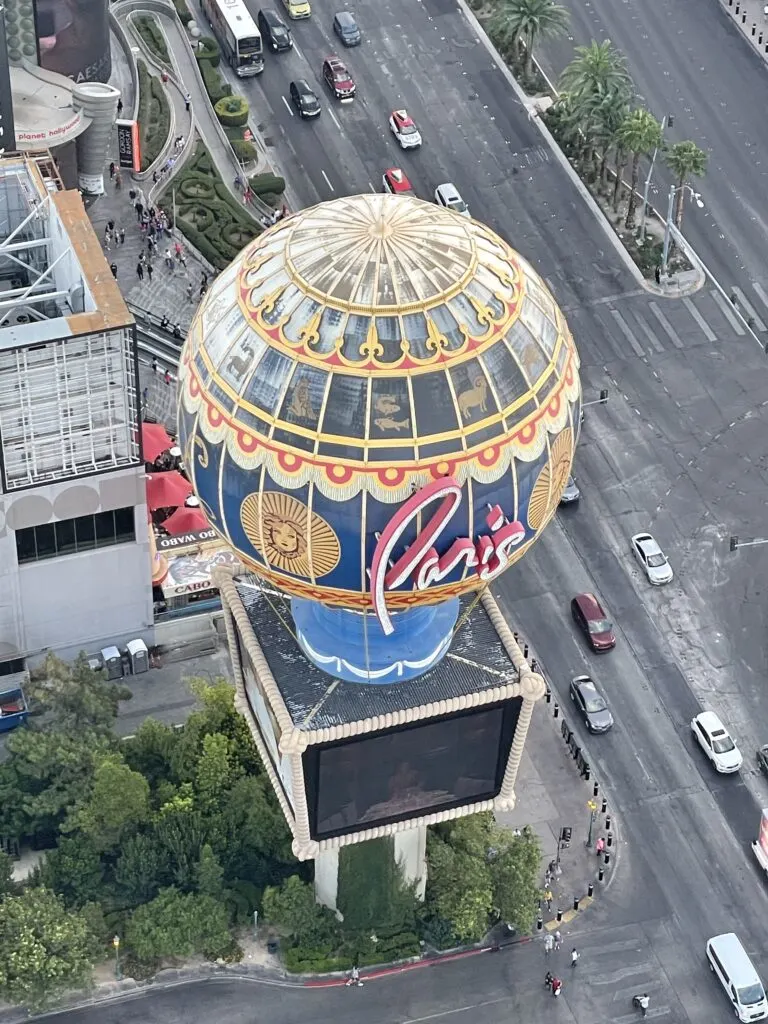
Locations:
{"points": [[105, 528], [26, 549], [45, 536], [65, 537], [125, 527], [85, 533]]}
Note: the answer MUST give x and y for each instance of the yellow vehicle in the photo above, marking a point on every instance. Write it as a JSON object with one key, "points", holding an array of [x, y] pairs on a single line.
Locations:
{"points": [[297, 8]]}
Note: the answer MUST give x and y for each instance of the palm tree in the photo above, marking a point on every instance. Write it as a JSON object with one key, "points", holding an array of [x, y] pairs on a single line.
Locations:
{"points": [[525, 22], [685, 160], [611, 115], [639, 135], [597, 71]]}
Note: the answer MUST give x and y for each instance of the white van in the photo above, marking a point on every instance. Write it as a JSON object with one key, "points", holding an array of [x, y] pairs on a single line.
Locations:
{"points": [[728, 959]]}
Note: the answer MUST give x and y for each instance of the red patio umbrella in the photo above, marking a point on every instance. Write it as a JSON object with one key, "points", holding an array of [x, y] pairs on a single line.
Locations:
{"points": [[154, 440], [167, 490], [185, 520]]}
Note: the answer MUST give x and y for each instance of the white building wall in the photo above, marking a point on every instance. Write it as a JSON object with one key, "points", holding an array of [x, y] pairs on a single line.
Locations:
{"points": [[81, 601]]}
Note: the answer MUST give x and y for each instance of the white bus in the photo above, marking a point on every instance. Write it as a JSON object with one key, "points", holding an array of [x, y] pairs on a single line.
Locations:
{"points": [[237, 34]]}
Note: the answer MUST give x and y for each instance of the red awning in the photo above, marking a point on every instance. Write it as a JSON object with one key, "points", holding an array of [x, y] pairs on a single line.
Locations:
{"points": [[185, 520], [155, 440], [167, 490]]}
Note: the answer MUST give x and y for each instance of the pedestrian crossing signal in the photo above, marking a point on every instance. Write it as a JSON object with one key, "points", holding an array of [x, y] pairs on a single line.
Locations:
{"points": [[565, 834]]}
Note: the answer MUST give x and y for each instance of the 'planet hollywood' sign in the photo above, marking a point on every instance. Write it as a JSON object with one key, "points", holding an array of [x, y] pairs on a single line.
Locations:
{"points": [[488, 555]]}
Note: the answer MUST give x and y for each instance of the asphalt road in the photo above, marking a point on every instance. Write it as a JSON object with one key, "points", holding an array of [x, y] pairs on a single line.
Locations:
{"points": [[688, 58], [678, 448]]}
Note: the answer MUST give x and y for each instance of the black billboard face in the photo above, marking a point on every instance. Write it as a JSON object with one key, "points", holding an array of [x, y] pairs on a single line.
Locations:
{"points": [[392, 776], [7, 136], [73, 38]]}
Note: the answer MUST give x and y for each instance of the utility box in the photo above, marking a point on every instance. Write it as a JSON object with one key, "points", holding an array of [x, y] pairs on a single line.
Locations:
{"points": [[113, 662], [139, 656]]}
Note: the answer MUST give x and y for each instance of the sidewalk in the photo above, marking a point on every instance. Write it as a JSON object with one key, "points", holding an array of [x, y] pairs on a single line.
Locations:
{"points": [[751, 18]]}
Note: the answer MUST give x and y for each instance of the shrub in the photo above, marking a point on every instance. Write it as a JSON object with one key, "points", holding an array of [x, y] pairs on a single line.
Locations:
{"points": [[207, 50], [183, 12], [261, 184], [244, 151], [214, 86], [232, 111], [154, 116], [148, 28]]}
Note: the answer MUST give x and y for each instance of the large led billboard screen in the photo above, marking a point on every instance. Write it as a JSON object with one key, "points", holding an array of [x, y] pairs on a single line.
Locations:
{"points": [[73, 38], [403, 773]]}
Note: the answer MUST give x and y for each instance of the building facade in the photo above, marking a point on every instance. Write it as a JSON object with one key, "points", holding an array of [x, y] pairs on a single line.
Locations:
{"points": [[74, 549]]}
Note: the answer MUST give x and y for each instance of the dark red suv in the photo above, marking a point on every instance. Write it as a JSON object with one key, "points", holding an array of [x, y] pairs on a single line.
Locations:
{"points": [[338, 79], [589, 615]]}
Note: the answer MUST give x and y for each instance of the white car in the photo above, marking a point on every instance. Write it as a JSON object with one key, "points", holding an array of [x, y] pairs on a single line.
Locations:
{"points": [[448, 195], [404, 129], [652, 559], [715, 740]]}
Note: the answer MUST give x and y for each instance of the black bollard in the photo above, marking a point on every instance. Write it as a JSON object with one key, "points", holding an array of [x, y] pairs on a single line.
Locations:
{"points": [[609, 839], [738, 8], [590, 889], [604, 808], [601, 874], [760, 39], [539, 924], [754, 28], [608, 821], [516, 635], [587, 772], [548, 696], [606, 858], [595, 789], [744, 18], [575, 902], [556, 710], [525, 650], [559, 916], [534, 663]]}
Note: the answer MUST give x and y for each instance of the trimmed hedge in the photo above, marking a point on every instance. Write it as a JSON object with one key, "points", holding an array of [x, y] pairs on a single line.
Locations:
{"points": [[154, 116], [244, 151], [148, 28], [206, 212], [184, 13], [232, 111], [208, 50], [216, 88], [263, 184]]}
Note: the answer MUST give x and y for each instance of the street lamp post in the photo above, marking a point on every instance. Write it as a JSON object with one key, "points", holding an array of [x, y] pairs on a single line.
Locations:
{"points": [[592, 808], [674, 189], [666, 122], [118, 968]]}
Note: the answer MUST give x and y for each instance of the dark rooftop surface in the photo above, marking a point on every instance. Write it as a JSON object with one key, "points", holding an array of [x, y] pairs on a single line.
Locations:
{"points": [[475, 662]]}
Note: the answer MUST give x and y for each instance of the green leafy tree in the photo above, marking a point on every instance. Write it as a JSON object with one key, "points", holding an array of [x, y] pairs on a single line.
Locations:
{"points": [[216, 715], [686, 160], [151, 751], [514, 874], [639, 135], [7, 884], [75, 696], [74, 871], [249, 835], [523, 23], [595, 73], [140, 871], [292, 908], [216, 769], [372, 893], [45, 949], [45, 776], [209, 875], [178, 924], [459, 885], [180, 831], [118, 803]]}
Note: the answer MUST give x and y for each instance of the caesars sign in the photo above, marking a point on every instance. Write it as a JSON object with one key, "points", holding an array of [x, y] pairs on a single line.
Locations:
{"points": [[488, 556]]}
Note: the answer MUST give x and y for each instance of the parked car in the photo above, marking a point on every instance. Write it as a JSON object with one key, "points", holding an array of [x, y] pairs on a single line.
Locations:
{"points": [[346, 28], [716, 742], [590, 617], [571, 494], [652, 559], [591, 704]]}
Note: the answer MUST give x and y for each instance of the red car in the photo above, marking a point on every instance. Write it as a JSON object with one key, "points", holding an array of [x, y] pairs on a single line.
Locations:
{"points": [[589, 615], [338, 79], [396, 181]]}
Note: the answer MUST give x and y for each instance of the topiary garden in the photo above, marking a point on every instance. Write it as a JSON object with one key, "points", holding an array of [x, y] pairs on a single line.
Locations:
{"points": [[149, 29], [232, 111], [206, 212], [154, 116]]}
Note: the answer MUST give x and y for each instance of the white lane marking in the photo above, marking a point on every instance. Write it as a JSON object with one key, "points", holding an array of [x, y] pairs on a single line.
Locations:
{"points": [[760, 291], [334, 119], [298, 51], [457, 1009], [749, 308], [671, 332], [727, 310], [327, 181], [370, 186], [288, 106], [625, 330], [709, 334]]}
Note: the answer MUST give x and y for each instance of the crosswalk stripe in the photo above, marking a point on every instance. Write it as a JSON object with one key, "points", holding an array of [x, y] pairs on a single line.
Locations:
{"points": [[760, 291], [624, 328], [727, 311], [672, 333], [745, 304], [649, 334], [708, 332]]}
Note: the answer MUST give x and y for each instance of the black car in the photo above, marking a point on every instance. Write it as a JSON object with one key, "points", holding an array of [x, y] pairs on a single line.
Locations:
{"points": [[345, 27], [274, 32], [590, 704], [302, 97], [762, 758]]}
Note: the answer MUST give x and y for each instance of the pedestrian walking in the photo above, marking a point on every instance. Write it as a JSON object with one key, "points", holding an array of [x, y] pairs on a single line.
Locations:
{"points": [[190, 289], [187, 101], [119, 107], [547, 879], [154, 177], [549, 945], [557, 986], [132, 196], [574, 956], [122, 236], [169, 259], [145, 395], [558, 940], [548, 979], [354, 977], [548, 898], [107, 238], [203, 289], [154, 365], [167, 377], [599, 846], [118, 179], [140, 270], [657, 275], [139, 208], [112, 169], [113, 268], [150, 271]]}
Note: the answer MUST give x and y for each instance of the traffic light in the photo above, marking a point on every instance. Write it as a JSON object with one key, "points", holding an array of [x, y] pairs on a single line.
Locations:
{"points": [[604, 395], [565, 834], [734, 543]]}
